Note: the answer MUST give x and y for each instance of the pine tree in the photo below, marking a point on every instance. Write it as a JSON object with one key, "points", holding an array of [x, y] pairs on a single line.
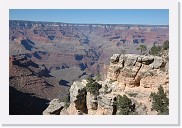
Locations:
{"points": [[160, 101], [142, 48], [124, 105], [93, 87]]}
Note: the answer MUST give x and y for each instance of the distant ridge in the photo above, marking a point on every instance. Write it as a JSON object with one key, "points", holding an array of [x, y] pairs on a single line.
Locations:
{"points": [[51, 22]]}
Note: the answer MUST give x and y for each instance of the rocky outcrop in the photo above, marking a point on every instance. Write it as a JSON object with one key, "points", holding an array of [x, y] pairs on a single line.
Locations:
{"points": [[77, 100], [82, 102], [138, 70], [115, 58], [54, 108], [133, 75]]}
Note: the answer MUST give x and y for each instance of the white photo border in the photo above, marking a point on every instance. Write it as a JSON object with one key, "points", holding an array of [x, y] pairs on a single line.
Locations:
{"points": [[171, 119]]}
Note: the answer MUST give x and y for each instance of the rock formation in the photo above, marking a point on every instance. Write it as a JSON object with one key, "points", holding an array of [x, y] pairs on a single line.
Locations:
{"points": [[54, 108], [138, 70], [133, 75]]}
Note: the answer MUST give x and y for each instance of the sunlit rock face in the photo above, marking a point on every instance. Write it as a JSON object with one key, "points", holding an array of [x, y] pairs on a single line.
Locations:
{"points": [[133, 75]]}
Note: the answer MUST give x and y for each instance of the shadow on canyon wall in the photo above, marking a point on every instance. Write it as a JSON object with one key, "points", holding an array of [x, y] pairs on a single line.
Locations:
{"points": [[25, 104]]}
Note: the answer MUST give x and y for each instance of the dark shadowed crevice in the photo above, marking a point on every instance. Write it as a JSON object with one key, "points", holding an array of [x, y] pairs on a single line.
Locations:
{"points": [[114, 106]]}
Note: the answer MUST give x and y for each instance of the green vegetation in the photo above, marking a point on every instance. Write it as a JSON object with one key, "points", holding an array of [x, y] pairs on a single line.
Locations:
{"points": [[98, 76], [160, 101], [157, 50], [124, 105], [93, 87], [105, 89], [142, 48], [66, 99], [166, 45]]}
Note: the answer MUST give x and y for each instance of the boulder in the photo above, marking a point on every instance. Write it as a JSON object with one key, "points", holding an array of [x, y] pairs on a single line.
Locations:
{"points": [[115, 58], [146, 59], [131, 59], [157, 63], [54, 108]]}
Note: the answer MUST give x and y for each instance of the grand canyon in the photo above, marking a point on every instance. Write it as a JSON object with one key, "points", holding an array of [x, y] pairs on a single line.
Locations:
{"points": [[52, 61]]}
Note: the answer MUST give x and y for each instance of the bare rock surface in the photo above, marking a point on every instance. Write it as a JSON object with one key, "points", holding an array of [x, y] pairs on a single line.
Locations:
{"points": [[54, 108], [128, 74], [139, 70], [77, 98]]}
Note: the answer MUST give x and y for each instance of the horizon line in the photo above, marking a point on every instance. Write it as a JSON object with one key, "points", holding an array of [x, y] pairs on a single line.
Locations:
{"points": [[89, 23]]}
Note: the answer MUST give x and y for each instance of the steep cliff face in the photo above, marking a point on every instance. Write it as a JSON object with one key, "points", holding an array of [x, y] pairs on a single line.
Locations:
{"points": [[133, 75]]}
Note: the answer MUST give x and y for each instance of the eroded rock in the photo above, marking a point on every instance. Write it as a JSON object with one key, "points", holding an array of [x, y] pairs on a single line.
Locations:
{"points": [[133, 75], [115, 58], [78, 97], [54, 108], [132, 68]]}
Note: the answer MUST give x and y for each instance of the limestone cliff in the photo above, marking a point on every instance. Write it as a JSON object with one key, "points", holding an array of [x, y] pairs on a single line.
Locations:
{"points": [[133, 75]]}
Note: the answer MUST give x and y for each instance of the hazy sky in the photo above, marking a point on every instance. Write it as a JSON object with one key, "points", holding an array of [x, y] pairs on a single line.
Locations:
{"points": [[106, 16]]}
